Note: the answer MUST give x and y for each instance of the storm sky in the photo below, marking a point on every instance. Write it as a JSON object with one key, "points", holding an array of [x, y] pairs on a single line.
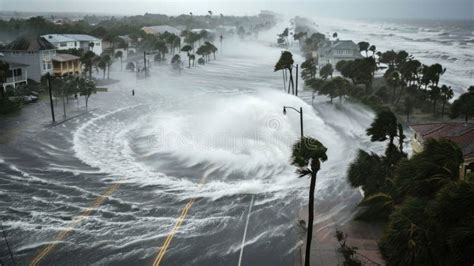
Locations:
{"points": [[427, 9]]}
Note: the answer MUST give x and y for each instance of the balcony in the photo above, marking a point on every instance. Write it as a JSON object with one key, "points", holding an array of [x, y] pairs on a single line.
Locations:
{"points": [[15, 79]]}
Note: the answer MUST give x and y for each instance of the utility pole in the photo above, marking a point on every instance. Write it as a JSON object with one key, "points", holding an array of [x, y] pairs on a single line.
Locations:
{"points": [[144, 63], [51, 96], [64, 102], [301, 121], [296, 79]]}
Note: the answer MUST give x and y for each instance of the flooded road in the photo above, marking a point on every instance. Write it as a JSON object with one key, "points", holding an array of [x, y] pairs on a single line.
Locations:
{"points": [[168, 175]]}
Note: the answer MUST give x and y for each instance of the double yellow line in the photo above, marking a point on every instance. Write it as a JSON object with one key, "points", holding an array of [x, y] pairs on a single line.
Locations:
{"points": [[76, 220], [172, 233]]}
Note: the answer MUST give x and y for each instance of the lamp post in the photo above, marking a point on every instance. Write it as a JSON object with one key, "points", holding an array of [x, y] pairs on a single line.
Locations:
{"points": [[301, 116]]}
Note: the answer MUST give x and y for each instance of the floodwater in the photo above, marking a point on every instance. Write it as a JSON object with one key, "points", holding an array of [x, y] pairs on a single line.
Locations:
{"points": [[212, 135]]}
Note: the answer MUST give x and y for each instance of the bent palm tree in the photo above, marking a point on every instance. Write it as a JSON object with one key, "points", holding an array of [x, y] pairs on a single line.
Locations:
{"points": [[308, 153], [286, 62]]}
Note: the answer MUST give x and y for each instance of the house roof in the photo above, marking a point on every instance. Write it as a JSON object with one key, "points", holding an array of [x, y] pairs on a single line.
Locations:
{"points": [[12, 65], [345, 44], [69, 37], [29, 44], [57, 38], [81, 37], [64, 57], [162, 29], [460, 133]]}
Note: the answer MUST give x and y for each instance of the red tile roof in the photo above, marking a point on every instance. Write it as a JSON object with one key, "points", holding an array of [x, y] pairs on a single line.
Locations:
{"points": [[460, 133]]}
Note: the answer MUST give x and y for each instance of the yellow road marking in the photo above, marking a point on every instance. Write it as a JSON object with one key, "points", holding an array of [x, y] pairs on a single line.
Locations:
{"points": [[76, 220], [172, 233]]}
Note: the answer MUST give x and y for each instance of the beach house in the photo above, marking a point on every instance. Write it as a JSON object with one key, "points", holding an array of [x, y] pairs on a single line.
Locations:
{"points": [[331, 52], [35, 54], [75, 41], [66, 64], [460, 133], [17, 74]]}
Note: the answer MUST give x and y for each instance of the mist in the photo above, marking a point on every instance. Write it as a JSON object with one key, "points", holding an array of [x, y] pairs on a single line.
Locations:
{"points": [[417, 9]]}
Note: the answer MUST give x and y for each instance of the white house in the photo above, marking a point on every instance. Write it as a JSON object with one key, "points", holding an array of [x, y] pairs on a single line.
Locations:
{"points": [[37, 53], [75, 41], [17, 74], [331, 52]]}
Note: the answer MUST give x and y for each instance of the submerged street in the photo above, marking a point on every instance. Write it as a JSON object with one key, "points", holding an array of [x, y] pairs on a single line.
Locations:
{"points": [[169, 175]]}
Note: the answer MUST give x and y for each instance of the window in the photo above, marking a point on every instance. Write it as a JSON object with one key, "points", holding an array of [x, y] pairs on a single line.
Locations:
{"points": [[75, 44], [17, 72], [63, 44], [97, 44]]}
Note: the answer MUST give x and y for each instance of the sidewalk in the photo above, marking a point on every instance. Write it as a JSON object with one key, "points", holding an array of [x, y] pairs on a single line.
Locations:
{"points": [[324, 246]]}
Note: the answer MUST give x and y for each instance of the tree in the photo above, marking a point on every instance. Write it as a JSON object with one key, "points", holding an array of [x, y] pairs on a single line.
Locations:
{"points": [[368, 171], [308, 69], [211, 48], [88, 60], [364, 47], [4, 69], [308, 153], [87, 88], [187, 49], [102, 65], [176, 61], [427, 172], [326, 71], [464, 106], [286, 62], [108, 62], [446, 94], [373, 49], [408, 108], [435, 93], [119, 54], [383, 127], [203, 51]]}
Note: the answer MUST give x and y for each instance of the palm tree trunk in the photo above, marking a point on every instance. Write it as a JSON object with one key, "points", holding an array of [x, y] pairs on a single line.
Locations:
{"points": [[442, 110], [189, 62], [291, 81], [309, 235]]}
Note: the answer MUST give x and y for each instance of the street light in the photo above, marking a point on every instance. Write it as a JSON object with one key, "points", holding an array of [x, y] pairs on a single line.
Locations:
{"points": [[301, 116]]}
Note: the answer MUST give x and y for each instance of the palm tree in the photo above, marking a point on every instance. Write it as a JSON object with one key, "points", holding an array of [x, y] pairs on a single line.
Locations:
{"points": [[211, 48], [119, 54], [187, 49], [88, 60], [364, 47], [108, 61], [102, 65], [383, 127], [4, 69], [286, 62], [447, 94], [308, 153], [435, 93], [373, 49], [464, 105]]}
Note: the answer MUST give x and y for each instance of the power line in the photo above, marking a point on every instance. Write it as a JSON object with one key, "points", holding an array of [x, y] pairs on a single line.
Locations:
{"points": [[8, 246]]}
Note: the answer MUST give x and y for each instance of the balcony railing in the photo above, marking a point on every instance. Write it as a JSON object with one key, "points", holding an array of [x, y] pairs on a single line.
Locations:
{"points": [[16, 79]]}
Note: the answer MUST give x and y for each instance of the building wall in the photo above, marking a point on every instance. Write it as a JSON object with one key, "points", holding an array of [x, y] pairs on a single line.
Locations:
{"points": [[79, 44], [39, 62]]}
